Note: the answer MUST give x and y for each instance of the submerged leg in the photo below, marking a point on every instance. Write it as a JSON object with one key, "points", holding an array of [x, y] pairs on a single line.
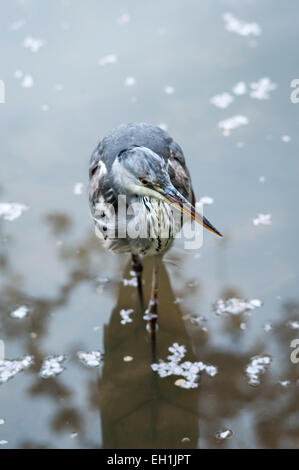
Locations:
{"points": [[137, 268], [152, 310]]}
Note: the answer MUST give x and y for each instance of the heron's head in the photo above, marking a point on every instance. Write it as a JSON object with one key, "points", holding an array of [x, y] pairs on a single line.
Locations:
{"points": [[140, 171]]}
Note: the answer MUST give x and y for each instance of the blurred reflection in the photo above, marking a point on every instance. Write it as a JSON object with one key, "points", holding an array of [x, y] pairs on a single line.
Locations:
{"points": [[137, 408], [59, 222]]}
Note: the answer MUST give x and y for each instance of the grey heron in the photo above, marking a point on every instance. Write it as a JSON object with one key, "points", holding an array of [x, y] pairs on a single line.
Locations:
{"points": [[143, 164]]}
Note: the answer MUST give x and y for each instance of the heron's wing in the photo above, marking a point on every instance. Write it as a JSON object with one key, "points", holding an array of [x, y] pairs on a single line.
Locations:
{"points": [[100, 189], [178, 171]]}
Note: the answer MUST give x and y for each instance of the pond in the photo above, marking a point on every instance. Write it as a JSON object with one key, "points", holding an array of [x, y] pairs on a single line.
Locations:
{"points": [[72, 71]]}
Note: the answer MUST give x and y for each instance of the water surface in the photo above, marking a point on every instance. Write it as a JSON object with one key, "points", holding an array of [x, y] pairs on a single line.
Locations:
{"points": [[50, 259]]}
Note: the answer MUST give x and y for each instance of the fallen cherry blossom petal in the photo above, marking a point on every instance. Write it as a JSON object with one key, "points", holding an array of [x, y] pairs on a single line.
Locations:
{"points": [[12, 211], [236, 306], [187, 371], [222, 101], [20, 312], [52, 366], [262, 219], [257, 366], [232, 123], [243, 28], [261, 90], [240, 88], [125, 315], [10, 368], [90, 359]]}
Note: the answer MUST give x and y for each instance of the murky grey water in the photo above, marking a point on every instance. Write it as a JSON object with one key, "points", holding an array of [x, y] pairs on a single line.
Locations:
{"points": [[50, 258]]}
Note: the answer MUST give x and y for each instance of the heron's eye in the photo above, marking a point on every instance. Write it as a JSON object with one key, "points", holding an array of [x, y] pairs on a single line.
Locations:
{"points": [[144, 181]]}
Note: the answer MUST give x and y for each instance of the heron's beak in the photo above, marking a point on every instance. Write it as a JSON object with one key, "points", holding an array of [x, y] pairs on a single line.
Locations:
{"points": [[175, 199]]}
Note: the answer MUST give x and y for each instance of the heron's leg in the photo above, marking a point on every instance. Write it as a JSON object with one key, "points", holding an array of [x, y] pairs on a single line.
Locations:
{"points": [[152, 310], [153, 303], [138, 268]]}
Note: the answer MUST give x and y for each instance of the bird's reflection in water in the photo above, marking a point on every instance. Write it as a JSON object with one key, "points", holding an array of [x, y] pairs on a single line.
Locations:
{"points": [[138, 409]]}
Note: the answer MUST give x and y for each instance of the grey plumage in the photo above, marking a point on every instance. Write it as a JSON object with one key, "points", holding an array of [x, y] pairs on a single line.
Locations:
{"points": [[128, 154], [139, 189]]}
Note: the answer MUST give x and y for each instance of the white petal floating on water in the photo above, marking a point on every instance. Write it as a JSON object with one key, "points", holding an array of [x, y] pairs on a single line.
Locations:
{"points": [[10, 368], [206, 200], [108, 59], [91, 359], [11, 211], [261, 90], [284, 383], [52, 366], [16, 25], [123, 19], [34, 44], [222, 101], [187, 371], [286, 138], [240, 88], [27, 81], [294, 325], [181, 383], [20, 312], [232, 123], [262, 179], [149, 316], [73, 435], [224, 434], [235, 306], [2, 421], [128, 359], [234, 25], [125, 316], [78, 189], [3, 442], [262, 219], [130, 81], [257, 366], [169, 90], [130, 282], [177, 352]]}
